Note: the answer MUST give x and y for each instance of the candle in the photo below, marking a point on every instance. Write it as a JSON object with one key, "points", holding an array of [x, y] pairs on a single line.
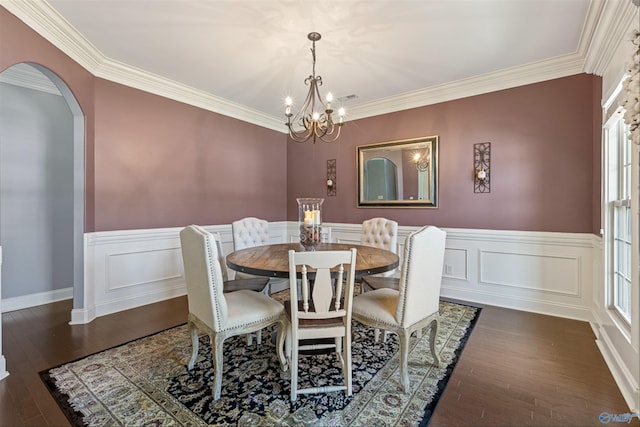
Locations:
{"points": [[308, 218], [316, 217], [288, 103]]}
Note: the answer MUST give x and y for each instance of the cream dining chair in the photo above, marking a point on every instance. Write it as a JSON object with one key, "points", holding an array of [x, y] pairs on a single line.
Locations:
{"points": [[320, 311], [254, 283], [380, 233], [415, 304], [247, 233], [218, 314]]}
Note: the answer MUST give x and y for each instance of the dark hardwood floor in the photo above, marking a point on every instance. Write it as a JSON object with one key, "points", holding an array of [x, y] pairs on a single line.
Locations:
{"points": [[517, 369]]}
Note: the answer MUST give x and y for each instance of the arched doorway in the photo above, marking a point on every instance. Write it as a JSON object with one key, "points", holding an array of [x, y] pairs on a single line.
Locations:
{"points": [[43, 169], [381, 177]]}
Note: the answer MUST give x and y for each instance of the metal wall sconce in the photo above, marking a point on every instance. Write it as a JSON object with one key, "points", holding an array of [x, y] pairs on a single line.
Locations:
{"points": [[482, 167], [331, 177]]}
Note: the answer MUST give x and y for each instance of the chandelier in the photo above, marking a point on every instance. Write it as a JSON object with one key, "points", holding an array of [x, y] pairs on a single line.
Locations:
{"points": [[315, 118]]}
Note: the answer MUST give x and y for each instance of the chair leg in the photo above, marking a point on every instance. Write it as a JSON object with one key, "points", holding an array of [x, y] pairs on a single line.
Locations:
{"points": [[280, 343], [217, 342], [347, 367], [339, 356], [432, 341], [294, 370], [193, 331], [404, 359], [287, 343]]}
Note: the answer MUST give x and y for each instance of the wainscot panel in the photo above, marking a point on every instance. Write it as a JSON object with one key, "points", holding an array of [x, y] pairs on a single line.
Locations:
{"points": [[549, 273], [542, 272], [129, 268]]}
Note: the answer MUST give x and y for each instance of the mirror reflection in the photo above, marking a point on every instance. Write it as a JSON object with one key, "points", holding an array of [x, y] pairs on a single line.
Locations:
{"points": [[398, 173]]}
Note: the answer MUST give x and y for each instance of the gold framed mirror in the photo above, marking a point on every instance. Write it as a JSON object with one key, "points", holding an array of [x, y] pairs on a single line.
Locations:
{"points": [[398, 173]]}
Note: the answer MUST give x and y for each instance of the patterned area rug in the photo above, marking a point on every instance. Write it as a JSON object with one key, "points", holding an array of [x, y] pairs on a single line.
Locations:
{"points": [[146, 383]]}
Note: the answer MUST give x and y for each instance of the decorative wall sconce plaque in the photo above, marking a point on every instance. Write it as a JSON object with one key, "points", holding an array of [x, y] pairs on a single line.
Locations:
{"points": [[482, 167], [331, 177]]}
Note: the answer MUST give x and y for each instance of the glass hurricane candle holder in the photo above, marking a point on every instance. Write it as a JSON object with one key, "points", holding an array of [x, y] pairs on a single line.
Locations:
{"points": [[310, 222]]}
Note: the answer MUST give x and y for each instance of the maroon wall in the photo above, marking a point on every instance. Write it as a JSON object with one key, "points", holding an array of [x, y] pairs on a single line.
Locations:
{"points": [[163, 163], [158, 162], [544, 160], [18, 43]]}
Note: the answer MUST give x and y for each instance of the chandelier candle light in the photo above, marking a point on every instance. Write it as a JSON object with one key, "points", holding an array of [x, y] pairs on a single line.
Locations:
{"points": [[315, 118], [310, 220]]}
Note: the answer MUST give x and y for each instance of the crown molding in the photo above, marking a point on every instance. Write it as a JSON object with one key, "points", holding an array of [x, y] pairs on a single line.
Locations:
{"points": [[610, 31], [47, 22], [127, 75], [505, 79], [603, 28]]}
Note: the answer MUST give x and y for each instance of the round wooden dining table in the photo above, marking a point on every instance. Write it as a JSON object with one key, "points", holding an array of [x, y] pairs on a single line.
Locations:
{"points": [[273, 260]]}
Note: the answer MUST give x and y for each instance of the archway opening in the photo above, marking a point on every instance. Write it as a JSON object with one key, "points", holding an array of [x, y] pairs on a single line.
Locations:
{"points": [[41, 189]]}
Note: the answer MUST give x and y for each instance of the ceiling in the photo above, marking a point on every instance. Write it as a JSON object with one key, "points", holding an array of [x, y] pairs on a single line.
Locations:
{"points": [[243, 58]]}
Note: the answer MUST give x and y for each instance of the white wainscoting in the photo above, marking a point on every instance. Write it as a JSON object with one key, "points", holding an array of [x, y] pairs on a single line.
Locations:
{"points": [[549, 273], [131, 268]]}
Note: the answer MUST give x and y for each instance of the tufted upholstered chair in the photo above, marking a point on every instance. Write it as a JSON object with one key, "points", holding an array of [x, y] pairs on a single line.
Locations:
{"points": [[415, 304], [249, 232], [218, 314], [322, 311], [380, 233]]}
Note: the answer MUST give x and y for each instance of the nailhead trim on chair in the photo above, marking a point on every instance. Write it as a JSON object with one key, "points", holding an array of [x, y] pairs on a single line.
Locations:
{"points": [[212, 253], [406, 262]]}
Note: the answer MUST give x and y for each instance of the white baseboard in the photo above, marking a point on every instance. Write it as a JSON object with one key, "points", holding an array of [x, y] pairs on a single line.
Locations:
{"points": [[624, 379], [82, 316], [618, 358], [3, 368], [32, 300]]}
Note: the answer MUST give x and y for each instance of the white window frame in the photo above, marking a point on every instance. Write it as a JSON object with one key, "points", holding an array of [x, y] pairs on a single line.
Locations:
{"points": [[616, 129]]}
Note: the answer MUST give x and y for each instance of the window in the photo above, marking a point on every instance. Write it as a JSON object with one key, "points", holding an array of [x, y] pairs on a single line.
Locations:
{"points": [[618, 216]]}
